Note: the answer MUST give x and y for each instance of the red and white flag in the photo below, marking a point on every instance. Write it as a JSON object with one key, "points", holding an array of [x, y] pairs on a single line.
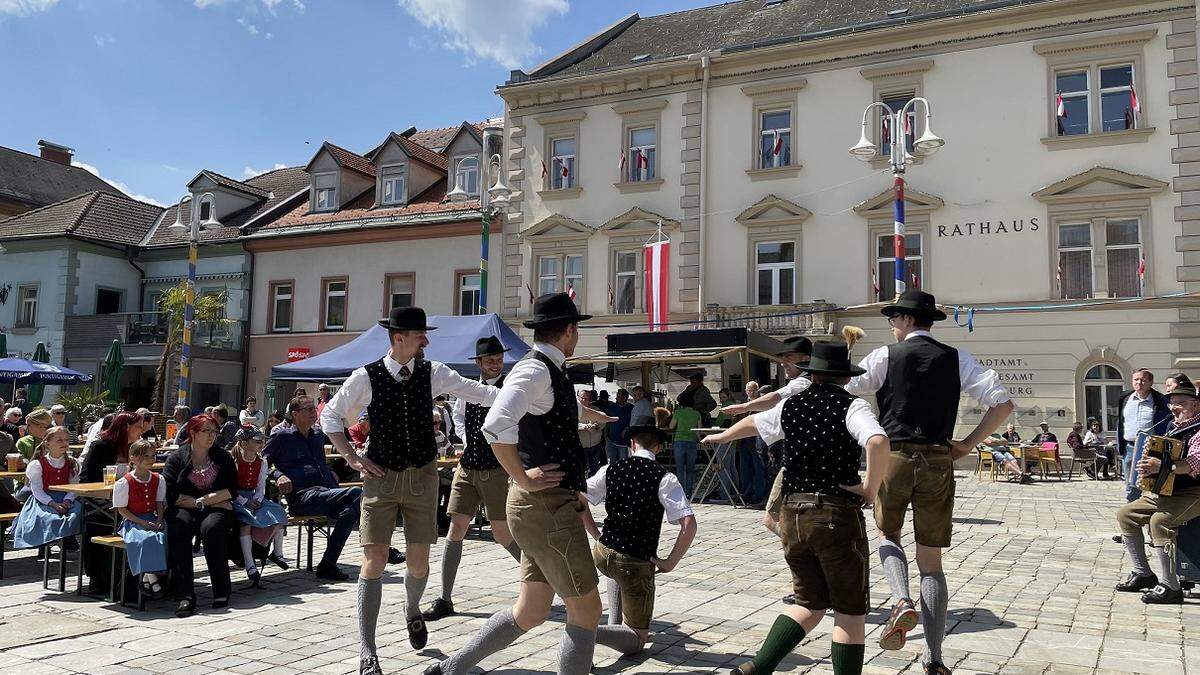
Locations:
{"points": [[886, 134], [778, 147], [1059, 108], [610, 296], [1142, 272], [908, 123], [916, 281], [643, 160], [874, 284], [658, 274], [1133, 101], [566, 172], [571, 291], [530, 291], [545, 172], [621, 165]]}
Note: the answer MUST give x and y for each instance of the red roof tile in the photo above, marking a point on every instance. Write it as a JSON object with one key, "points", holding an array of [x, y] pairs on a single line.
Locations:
{"points": [[350, 160], [363, 208]]}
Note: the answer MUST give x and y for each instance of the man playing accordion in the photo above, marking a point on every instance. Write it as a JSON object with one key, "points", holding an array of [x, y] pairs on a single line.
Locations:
{"points": [[1164, 513]]}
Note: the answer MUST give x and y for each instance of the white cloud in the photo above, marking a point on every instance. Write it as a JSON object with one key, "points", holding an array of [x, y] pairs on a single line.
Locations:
{"points": [[168, 167], [117, 184], [105, 40], [204, 4], [269, 36], [250, 172], [484, 29], [250, 28], [25, 7]]}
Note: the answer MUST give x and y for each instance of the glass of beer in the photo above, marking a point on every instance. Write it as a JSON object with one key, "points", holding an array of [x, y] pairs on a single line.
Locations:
{"points": [[14, 461], [110, 475]]}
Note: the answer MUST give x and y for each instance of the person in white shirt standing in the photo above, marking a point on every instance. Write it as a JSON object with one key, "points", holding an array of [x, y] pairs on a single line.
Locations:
{"points": [[533, 427], [643, 408], [399, 468]]}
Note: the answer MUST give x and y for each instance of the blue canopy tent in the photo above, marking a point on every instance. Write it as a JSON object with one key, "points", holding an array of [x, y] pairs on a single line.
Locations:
{"points": [[24, 371], [453, 343]]}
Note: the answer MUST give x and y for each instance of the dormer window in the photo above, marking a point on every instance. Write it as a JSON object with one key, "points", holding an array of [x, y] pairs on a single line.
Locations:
{"points": [[466, 175], [325, 192], [205, 209], [392, 186]]}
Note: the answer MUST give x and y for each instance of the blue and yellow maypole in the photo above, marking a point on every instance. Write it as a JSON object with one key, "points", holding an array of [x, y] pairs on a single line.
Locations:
{"points": [[185, 358]]}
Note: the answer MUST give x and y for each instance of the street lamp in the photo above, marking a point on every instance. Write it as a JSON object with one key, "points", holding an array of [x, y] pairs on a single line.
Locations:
{"points": [[192, 230], [492, 202], [899, 158]]}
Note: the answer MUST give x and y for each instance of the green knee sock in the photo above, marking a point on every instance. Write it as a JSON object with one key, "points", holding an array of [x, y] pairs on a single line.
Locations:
{"points": [[784, 636], [847, 659]]}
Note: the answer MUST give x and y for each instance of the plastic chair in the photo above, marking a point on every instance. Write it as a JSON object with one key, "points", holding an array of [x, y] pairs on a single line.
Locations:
{"points": [[986, 459], [1048, 455]]}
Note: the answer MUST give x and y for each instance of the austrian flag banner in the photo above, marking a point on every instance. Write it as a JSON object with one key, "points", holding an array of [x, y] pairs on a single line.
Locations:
{"points": [[658, 276]]}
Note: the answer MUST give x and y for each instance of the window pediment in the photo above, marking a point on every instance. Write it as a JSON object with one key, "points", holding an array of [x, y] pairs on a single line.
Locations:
{"points": [[636, 220], [1100, 183], [915, 202], [556, 227], [773, 210]]}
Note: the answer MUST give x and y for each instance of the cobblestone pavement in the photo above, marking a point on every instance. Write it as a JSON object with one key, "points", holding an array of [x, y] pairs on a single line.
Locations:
{"points": [[1031, 574]]}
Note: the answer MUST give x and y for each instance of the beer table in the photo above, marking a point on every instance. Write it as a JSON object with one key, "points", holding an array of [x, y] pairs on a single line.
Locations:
{"points": [[94, 497]]}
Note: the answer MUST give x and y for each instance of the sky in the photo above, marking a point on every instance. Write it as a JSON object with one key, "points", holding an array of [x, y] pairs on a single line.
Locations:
{"points": [[149, 92]]}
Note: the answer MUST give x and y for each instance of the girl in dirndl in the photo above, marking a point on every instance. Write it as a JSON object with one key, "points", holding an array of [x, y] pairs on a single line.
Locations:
{"points": [[262, 520], [50, 515], [140, 496]]}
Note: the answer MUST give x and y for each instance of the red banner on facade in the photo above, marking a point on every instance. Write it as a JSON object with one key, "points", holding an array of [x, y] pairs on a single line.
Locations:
{"points": [[298, 353], [658, 276]]}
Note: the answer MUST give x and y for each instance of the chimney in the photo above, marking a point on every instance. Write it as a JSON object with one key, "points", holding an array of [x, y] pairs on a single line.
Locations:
{"points": [[55, 152]]}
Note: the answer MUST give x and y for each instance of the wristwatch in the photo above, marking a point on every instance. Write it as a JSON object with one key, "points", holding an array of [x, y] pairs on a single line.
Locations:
{"points": [[200, 502]]}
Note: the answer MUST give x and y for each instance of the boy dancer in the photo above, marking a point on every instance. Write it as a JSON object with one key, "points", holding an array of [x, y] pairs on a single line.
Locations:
{"points": [[478, 479], [821, 522], [639, 491]]}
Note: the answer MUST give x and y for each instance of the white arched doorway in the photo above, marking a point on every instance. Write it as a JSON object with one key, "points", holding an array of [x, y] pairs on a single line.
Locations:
{"points": [[1102, 387]]}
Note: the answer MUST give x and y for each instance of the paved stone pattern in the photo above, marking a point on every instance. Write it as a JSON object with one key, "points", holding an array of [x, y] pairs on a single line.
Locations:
{"points": [[1031, 574]]}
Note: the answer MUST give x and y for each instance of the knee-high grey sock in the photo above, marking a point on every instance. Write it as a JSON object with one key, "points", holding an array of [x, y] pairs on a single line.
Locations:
{"points": [[576, 650], [621, 638], [933, 614], [500, 631], [370, 595], [514, 549], [895, 568], [1135, 544], [414, 588], [1166, 566], [451, 557], [614, 603]]}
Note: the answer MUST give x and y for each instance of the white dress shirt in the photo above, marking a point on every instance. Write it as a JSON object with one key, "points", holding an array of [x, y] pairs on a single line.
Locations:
{"points": [[670, 492], [642, 413], [794, 386], [526, 390], [33, 478], [860, 422], [1138, 414], [980, 383], [459, 414], [355, 394]]}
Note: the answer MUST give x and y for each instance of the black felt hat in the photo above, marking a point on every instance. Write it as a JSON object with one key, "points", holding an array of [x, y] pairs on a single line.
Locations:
{"points": [[831, 358], [798, 344], [915, 302], [660, 434], [554, 308], [1188, 389], [489, 345], [406, 318]]}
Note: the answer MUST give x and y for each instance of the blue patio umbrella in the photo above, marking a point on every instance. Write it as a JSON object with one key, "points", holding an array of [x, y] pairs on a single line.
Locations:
{"points": [[25, 371]]}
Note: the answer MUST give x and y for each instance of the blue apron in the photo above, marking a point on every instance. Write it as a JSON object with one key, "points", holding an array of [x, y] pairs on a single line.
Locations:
{"points": [[268, 513], [38, 524], [146, 550]]}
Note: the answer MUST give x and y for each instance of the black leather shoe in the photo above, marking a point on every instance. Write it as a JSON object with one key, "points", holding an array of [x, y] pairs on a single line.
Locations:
{"points": [[278, 561], [331, 573], [185, 608], [255, 578], [936, 668], [440, 609], [369, 666], [1161, 595], [418, 634], [789, 599], [435, 669], [220, 604], [1137, 582], [395, 557]]}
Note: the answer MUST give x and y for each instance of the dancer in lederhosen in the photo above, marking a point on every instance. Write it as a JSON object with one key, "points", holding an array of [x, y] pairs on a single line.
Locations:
{"points": [[478, 479], [399, 467], [534, 430]]}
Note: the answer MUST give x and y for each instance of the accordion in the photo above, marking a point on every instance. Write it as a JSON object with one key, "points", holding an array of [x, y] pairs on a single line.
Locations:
{"points": [[1169, 451]]}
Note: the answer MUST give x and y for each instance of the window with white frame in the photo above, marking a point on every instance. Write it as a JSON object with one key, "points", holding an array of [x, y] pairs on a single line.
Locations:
{"points": [[206, 208], [1117, 98], [468, 293], [908, 123], [625, 272], [1123, 255], [27, 305], [562, 163], [400, 291], [775, 266], [560, 273], [281, 307], [335, 304], [392, 182], [1102, 388], [1079, 88], [1075, 260], [548, 274], [1074, 112], [642, 153], [573, 276], [885, 263], [325, 192], [466, 175], [775, 138]]}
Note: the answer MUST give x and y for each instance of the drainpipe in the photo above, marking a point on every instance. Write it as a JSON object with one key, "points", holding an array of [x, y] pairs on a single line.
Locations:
{"points": [[705, 58], [130, 252]]}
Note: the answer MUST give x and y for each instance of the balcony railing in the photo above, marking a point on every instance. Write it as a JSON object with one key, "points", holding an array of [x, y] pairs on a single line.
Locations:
{"points": [[147, 328], [776, 320]]}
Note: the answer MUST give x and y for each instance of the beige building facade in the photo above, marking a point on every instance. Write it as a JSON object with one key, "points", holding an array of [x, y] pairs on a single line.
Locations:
{"points": [[741, 152]]}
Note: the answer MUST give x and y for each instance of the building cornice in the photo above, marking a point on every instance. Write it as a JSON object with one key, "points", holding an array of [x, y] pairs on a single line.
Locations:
{"points": [[292, 239]]}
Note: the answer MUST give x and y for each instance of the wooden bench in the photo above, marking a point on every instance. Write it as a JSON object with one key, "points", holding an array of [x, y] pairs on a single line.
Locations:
{"points": [[116, 590], [6, 519], [310, 525]]}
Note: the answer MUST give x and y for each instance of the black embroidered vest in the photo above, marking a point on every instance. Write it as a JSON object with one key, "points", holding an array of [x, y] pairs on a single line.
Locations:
{"points": [[918, 402], [401, 415], [634, 514], [819, 452], [553, 438], [478, 454], [1183, 482]]}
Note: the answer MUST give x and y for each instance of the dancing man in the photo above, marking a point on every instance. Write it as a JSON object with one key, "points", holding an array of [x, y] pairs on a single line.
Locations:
{"points": [[533, 427], [399, 468], [479, 479]]}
